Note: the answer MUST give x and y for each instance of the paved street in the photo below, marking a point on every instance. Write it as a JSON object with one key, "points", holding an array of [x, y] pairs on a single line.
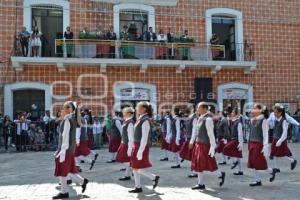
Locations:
{"points": [[30, 176]]}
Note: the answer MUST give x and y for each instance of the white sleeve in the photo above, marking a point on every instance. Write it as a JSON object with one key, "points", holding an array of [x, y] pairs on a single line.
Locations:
{"points": [[271, 120], [209, 124], [177, 129], [78, 134], [65, 136], [285, 126], [240, 133], [145, 135], [130, 131], [194, 126], [119, 126], [291, 120], [265, 128], [168, 123], [194, 133]]}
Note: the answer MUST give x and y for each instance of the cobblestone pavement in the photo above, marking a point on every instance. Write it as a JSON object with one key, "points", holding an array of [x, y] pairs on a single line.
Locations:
{"points": [[30, 176]]}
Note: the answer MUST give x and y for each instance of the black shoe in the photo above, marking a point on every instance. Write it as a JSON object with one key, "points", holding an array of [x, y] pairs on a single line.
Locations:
{"points": [[222, 177], [182, 160], [92, 164], [61, 196], [96, 156], [82, 161], [110, 161], [198, 187], [136, 190], [125, 178], [176, 167], [222, 163], [69, 182], [255, 184], [79, 170], [193, 176], [276, 170], [293, 164], [234, 164], [85, 182], [271, 157], [238, 173], [273, 175], [155, 182], [123, 169], [164, 159]]}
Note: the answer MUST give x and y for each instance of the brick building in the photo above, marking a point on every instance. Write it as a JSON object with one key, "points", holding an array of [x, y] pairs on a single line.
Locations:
{"points": [[258, 54]]}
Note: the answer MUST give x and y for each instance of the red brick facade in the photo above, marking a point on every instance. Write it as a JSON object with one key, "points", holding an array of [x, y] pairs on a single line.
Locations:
{"points": [[272, 26]]}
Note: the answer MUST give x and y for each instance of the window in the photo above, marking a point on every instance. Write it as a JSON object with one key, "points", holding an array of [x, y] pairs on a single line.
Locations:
{"points": [[227, 24], [142, 16]]}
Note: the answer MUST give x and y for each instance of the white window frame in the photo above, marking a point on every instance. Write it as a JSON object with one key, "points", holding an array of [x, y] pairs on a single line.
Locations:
{"points": [[127, 84], [27, 12], [133, 6], [234, 85], [10, 88], [239, 32]]}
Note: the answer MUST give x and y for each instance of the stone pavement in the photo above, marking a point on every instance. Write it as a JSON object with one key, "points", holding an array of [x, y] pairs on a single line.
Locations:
{"points": [[30, 176]]}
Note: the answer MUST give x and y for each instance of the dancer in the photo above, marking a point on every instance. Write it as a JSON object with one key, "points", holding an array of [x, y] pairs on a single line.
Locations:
{"points": [[203, 158], [258, 144], [125, 149], [64, 156], [166, 133], [235, 146], [222, 135], [114, 136], [174, 138], [185, 153], [83, 152], [279, 147], [139, 159]]}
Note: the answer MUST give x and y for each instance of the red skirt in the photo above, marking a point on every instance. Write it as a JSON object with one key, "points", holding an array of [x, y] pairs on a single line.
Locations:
{"points": [[256, 159], [164, 144], [173, 147], [114, 143], [83, 149], [201, 161], [220, 145], [186, 153], [281, 151], [122, 156], [66, 167], [140, 164], [231, 150]]}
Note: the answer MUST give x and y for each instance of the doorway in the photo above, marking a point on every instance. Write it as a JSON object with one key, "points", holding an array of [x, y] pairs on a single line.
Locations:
{"points": [[49, 20], [224, 28], [29, 101]]}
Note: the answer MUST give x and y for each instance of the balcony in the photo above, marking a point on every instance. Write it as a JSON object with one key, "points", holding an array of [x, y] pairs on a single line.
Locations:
{"points": [[104, 53]]}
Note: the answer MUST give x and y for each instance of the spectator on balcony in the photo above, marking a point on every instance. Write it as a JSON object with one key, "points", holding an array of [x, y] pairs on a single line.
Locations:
{"points": [[110, 35], [36, 42], [149, 35], [170, 39], [68, 35], [162, 50], [24, 40], [132, 32], [215, 50], [185, 51], [124, 33], [84, 34], [215, 39]]}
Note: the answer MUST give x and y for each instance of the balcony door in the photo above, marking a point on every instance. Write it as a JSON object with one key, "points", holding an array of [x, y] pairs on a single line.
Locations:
{"points": [[49, 20]]}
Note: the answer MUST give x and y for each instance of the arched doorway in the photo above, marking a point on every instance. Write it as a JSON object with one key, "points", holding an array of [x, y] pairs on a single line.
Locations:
{"points": [[31, 97]]}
